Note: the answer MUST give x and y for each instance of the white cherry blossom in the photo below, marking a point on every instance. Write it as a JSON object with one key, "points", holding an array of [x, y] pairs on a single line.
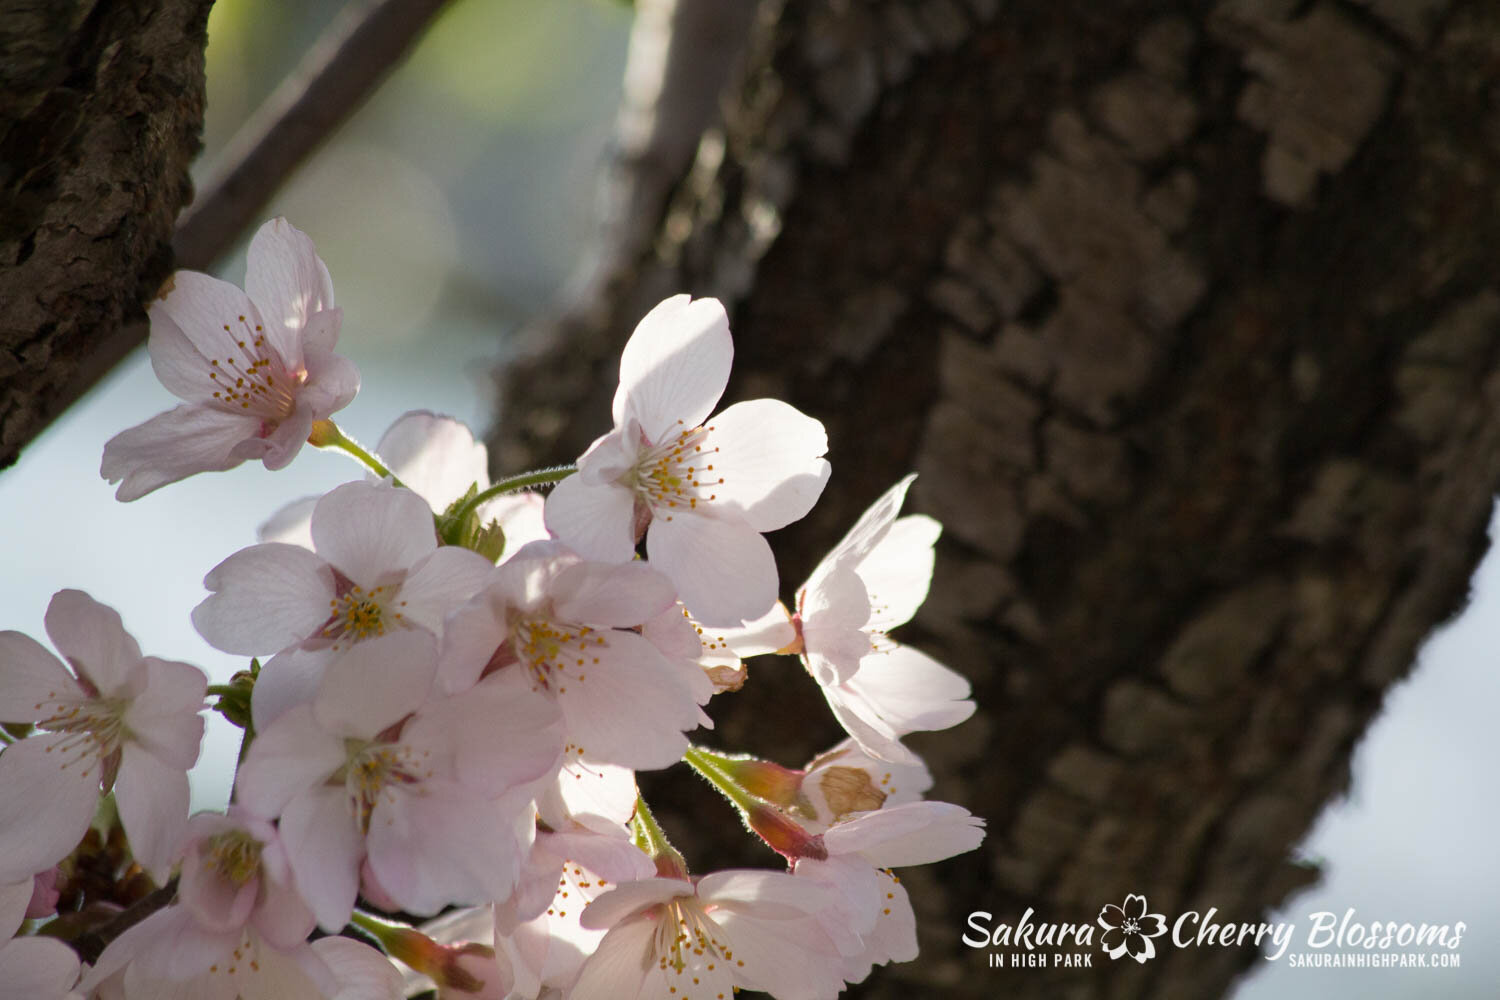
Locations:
{"points": [[110, 718], [672, 938], [254, 368], [702, 489], [34, 967]]}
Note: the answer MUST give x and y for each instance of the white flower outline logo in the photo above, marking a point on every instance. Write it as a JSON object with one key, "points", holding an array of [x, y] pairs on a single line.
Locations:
{"points": [[1129, 928]]}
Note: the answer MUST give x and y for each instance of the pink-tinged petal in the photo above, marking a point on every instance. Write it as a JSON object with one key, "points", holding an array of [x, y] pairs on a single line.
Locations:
{"points": [[213, 315], [470, 638], [291, 524], [178, 364], [588, 791], [632, 897], [770, 456], [376, 683], [153, 799], [91, 636], [617, 969], [595, 519], [47, 798], [288, 282], [321, 334], [332, 379], [325, 849], [522, 517], [619, 596], [917, 833], [896, 573], [770, 633], [37, 967], [31, 677], [182, 442], [286, 438], [722, 568], [833, 617], [786, 957], [630, 708], [282, 916], [675, 366], [292, 754], [298, 974], [361, 971], [164, 717], [216, 902], [501, 734], [911, 691], [288, 679], [265, 598], [434, 455], [440, 583], [895, 935], [14, 899], [370, 530], [766, 889]]}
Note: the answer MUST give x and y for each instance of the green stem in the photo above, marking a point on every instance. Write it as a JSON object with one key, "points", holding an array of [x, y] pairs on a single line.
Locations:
{"points": [[327, 434], [541, 477], [652, 839], [222, 690], [703, 761]]}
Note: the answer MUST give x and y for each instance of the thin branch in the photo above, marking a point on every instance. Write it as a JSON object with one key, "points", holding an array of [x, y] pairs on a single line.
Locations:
{"points": [[334, 78]]}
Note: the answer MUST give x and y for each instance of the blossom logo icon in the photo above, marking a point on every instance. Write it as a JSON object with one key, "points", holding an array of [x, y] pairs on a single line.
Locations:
{"points": [[1129, 929]]}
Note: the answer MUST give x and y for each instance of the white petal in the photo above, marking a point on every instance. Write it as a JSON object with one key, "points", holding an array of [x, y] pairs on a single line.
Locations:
{"points": [[631, 708], [522, 517], [37, 968], [91, 636], [911, 691], [866, 533], [722, 568], [617, 969], [440, 583], [31, 676], [284, 440], [619, 596], [153, 800], [182, 442], [771, 632], [47, 798], [595, 519], [501, 734], [292, 754], [896, 573], [623, 900], [291, 524], [434, 455], [164, 717], [213, 316], [770, 457], [325, 848], [265, 598], [675, 366], [874, 736], [288, 679], [368, 530], [332, 379], [376, 683], [470, 638], [362, 972], [288, 282], [917, 833]]}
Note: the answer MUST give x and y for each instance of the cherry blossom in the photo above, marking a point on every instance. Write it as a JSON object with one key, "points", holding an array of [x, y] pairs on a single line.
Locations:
{"points": [[702, 489], [109, 718], [730, 930], [440, 805], [845, 780], [376, 572], [254, 368], [872, 581], [566, 626]]}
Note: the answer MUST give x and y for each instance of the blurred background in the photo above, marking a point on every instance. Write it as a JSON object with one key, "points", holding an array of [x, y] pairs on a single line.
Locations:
{"points": [[451, 210]]}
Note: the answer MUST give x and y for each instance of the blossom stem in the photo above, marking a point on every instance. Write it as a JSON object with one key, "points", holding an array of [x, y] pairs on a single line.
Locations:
{"points": [[705, 763], [540, 477], [327, 434], [650, 838]]}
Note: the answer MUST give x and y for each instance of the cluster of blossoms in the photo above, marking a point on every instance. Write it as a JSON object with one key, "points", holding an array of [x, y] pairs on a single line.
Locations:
{"points": [[453, 686]]}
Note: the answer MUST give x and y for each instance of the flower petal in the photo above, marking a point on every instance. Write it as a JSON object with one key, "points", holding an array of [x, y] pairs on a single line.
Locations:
{"points": [[376, 683], [288, 282], [440, 583], [289, 678], [619, 596], [911, 691], [213, 316], [770, 456], [595, 519], [325, 849], [47, 798], [917, 833], [153, 800], [182, 442], [31, 677], [675, 366], [434, 455], [896, 573], [291, 524], [722, 568], [163, 718], [265, 598], [37, 967], [369, 530], [288, 756], [332, 379], [361, 971]]}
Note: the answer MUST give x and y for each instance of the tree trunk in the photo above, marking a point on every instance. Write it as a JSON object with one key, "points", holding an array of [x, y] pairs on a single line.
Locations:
{"points": [[101, 106], [1185, 313]]}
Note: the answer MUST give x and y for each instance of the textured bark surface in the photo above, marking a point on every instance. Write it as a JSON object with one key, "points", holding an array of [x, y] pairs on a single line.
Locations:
{"points": [[101, 105], [1186, 314]]}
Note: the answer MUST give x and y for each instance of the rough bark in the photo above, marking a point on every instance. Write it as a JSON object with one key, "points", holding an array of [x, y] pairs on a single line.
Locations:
{"points": [[1186, 314], [101, 106]]}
